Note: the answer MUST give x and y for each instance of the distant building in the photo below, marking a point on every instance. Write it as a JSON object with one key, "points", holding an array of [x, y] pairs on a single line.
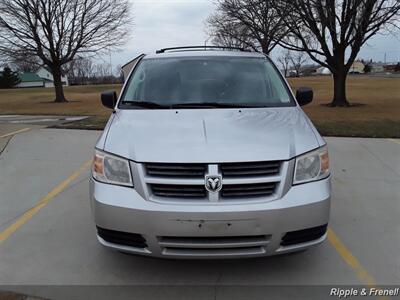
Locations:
{"points": [[392, 68], [357, 68], [30, 80], [47, 76], [309, 70], [41, 78], [323, 71], [377, 68]]}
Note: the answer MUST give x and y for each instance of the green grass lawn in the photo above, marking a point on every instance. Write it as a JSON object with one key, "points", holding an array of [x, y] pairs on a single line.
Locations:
{"points": [[378, 116]]}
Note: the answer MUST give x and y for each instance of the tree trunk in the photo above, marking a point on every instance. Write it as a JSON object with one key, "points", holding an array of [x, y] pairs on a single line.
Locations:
{"points": [[58, 87], [264, 47], [297, 71], [339, 82]]}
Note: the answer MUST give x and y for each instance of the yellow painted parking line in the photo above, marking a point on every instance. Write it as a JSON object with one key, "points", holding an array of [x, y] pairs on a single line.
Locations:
{"points": [[14, 132], [395, 141], [42, 203], [352, 261]]}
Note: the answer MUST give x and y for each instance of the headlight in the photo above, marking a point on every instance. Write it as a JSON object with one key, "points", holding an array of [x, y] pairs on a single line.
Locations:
{"points": [[312, 166], [111, 169]]}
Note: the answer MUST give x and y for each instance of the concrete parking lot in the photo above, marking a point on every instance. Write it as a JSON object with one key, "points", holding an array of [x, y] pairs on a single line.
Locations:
{"points": [[47, 236]]}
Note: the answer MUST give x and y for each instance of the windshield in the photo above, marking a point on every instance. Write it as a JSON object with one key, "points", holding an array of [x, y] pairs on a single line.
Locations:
{"points": [[206, 81]]}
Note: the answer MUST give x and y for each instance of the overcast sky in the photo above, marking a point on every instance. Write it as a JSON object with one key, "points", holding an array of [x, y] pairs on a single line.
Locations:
{"points": [[168, 23]]}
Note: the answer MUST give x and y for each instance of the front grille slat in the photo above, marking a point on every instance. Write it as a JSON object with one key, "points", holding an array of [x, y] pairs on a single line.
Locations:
{"points": [[175, 170], [247, 194], [249, 187], [179, 195], [173, 188], [176, 166], [248, 190], [251, 169], [174, 174], [178, 191], [245, 172], [240, 166]]}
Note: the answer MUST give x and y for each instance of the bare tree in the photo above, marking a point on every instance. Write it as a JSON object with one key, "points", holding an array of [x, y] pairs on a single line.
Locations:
{"points": [[332, 32], [103, 70], [119, 73], [253, 23], [25, 62], [58, 30], [84, 69], [21, 62], [70, 71], [104, 75], [298, 59], [284, 60], [80, 70], [228, 32]]}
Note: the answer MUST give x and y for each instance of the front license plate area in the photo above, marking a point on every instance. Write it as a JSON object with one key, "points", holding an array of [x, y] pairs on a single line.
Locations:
{"points": [[221, 227]]}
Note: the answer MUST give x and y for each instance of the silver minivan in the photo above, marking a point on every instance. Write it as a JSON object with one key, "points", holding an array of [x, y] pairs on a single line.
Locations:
{"points": [[207, 154]]}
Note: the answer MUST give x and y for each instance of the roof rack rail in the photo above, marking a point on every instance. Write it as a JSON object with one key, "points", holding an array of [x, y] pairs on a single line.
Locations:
{"points": [[192, 48]]}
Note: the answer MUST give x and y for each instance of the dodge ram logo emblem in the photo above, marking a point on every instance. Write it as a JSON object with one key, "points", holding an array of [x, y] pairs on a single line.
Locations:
{"points": [[213, 183]]}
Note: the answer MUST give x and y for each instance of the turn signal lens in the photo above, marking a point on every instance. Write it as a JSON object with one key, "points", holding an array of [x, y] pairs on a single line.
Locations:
{"points": [[312, 166], [98, 164], [324, 162]]}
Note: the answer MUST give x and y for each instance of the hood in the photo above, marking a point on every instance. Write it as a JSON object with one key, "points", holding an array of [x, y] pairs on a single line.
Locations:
{"points": [[210, 135]]}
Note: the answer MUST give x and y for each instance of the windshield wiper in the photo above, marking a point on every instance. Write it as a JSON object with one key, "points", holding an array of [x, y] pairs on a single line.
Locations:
{"points": [[145, 104], [206, 105]]}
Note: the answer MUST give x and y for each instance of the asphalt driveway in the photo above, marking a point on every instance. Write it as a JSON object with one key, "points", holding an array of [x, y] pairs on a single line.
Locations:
{"points": [[47, 236]]}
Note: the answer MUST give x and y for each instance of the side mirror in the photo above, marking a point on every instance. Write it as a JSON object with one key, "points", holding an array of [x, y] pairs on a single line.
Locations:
{"points": [[304, 96], [109, 99]]}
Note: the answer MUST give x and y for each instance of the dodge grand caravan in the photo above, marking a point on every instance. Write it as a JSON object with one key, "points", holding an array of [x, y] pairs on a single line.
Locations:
{"points": [[207, 154]]}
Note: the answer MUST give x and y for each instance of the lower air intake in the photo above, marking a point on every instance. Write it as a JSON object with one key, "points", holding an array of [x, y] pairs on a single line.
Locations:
{"points": [[303, 236], [122, 238]]}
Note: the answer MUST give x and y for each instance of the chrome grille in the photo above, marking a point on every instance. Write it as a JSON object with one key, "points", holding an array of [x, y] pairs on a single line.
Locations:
{"points": [[250, 169], [178, 191], [176, 170], [250, 181], [248, 190]]}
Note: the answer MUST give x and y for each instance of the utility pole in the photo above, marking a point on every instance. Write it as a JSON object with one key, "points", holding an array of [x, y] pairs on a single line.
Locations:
{"points": [[111, 72], [205, 42]]}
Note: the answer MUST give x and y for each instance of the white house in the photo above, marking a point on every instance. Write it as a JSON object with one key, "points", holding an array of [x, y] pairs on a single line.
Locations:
{"points": [[323, 71], [41, 78], [357, 67], [45, 74], [29, 80], [378, 68]]}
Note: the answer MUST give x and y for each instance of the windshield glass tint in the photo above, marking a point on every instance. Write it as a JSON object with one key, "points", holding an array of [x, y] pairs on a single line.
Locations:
{"points": [[244, 81]]}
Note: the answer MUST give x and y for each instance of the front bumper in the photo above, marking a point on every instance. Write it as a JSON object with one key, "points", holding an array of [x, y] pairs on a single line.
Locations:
{"points": [[213, 230]]}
